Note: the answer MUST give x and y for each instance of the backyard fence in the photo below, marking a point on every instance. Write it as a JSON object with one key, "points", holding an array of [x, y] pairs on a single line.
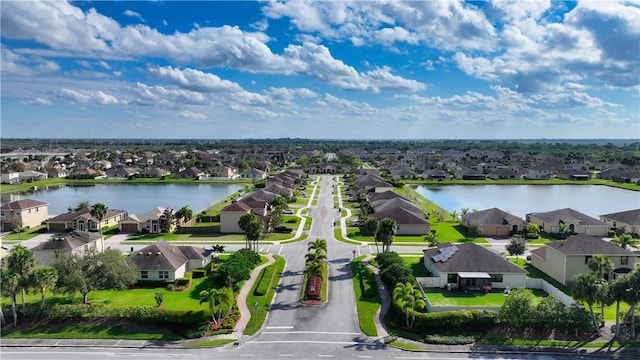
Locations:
{"points": [[551, 290]]}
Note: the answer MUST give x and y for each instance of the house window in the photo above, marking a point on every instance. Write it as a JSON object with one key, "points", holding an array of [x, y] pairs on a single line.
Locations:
{"points": [[496, 277], [586, 259], [144, 274], [624, 260], [163, 274], [452, 278]]}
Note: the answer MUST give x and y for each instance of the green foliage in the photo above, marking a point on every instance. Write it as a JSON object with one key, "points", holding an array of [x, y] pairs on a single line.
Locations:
{"points": [[235, 269], [198, 273], [449, 340], [517, 308], [264, 280], [446, 321]]}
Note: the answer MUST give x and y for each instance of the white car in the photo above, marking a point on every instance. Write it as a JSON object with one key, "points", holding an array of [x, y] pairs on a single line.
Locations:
{"points": [[288, 211]]}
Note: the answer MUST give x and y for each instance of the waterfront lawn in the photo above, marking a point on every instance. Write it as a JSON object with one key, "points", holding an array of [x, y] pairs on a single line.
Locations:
{"points": [[495, 298]]}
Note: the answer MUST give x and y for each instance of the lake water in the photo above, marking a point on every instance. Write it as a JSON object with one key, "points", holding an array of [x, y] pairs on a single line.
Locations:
{"points": [[519, 200], [134, 198]]}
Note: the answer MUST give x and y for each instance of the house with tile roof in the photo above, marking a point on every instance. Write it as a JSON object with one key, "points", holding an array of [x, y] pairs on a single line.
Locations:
{"points": [[231, 214], [471, 266], [493, 222], [74, 242], [574, 221], [163, 261], [628, 220], [22, 213], [83, 221], [148, 221], [407, 221], [565, 259]]}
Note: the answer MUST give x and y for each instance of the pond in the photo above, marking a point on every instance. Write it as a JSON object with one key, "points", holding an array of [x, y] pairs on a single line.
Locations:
{"points": [[134, 198], [519, 200]]}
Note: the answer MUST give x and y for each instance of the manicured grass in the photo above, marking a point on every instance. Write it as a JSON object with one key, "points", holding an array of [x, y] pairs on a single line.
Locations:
{"points": [[212, 343], [416, 265], [439, 297], [337, 233], [405, 346], [258, 317], [88, 331], [25, 235], [366, 307], [535, 273], [498, 340]]}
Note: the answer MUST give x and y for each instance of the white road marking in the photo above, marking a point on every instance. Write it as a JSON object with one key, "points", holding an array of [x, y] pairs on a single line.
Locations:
{"points": [[279, 327], [308, 332], [322, 355], [286, 355], [365, 357], [247, 355]]}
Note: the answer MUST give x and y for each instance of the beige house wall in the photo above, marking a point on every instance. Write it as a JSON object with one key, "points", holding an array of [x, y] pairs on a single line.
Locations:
{"points": [[229, 221], [27, 217], [553, 265]]}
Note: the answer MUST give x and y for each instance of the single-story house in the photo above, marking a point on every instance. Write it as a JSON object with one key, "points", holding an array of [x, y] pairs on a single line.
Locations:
{"points": [[24, 212], [83, 221], [254, 173], [408, 222], [493, 222], [628, 220], [32, 175], [471, 266], [566, 259], [574, 221], [74, 242], [148, 221], [163, 261]]}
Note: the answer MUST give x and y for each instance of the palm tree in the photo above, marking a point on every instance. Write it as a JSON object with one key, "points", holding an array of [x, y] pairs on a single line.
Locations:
{"points": [[218, 299], [44, 278], [184, 214], [625, 240], [632, 296], [313, 268], [586, 288], [317, 255], [601, 265], [320, 244], [11, 287], [98, 211], [454, 215], [617, 292], [409, 299], [386, 233], [21, 262]]}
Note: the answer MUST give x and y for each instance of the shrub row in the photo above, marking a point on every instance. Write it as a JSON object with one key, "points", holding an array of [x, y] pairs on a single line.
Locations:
{"points": [[469, 320], [393, 270], [264, 280], [367, 282], [144, 314], [449, 340]]}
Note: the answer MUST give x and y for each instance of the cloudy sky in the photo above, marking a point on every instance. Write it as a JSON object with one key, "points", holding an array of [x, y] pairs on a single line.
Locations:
{"points": [[321, 69]]}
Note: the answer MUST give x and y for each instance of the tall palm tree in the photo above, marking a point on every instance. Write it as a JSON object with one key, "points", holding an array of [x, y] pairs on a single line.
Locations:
{"points": [[21, 261], [184, 214], [617, 292], [632, 296], [318, 244], [601, 265], [386, 233], [318, 255], [313, 268], [43, 278], [10, 284], [99, 211], [585, 288], [409, 299]]}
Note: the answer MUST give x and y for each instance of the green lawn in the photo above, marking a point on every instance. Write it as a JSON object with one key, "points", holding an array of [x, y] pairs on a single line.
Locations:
{"points": [[258, 317], [416, 265], [24, 235], [89, 331], [366, 308], [439, 297]]}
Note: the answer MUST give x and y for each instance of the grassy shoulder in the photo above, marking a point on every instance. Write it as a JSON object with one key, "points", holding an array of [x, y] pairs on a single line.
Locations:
{"points": [[367, 296], [259, 304], [555, 181]]}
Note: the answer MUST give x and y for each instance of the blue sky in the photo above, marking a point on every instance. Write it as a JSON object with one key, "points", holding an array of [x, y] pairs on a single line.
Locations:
{"points": [[320, 69]]}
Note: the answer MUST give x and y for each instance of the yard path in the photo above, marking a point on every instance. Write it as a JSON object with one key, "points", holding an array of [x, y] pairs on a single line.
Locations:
{"points": [[245, 312]]}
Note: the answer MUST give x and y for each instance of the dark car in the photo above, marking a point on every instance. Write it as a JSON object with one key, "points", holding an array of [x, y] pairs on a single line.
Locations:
{"points": [[283, 229]]}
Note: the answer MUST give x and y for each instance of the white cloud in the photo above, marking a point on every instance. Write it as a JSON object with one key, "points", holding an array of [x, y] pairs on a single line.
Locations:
{"points": [[147, 95], [20, 65], [133, 14], [36, 101], [192, 115], [287, 94], [194, 80]]}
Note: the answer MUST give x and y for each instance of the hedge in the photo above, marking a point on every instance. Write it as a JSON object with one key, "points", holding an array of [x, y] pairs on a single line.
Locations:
{"points": [[264, 280], [146, 314]]}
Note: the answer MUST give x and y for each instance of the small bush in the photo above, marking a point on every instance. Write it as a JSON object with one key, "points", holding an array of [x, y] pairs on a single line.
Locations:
{"points": [[449, 340], [198, 274]]}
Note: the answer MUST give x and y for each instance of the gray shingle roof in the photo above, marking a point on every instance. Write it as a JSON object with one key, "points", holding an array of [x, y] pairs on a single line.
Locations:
{"points": [[493, 216], [566, 215], [401, 216], [69, 241], [473, 258], [582, 244], [164, 256], [628, 217]]}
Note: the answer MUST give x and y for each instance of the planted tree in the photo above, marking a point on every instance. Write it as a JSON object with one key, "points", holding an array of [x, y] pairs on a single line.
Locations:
{"points": [[252, 226], [278, 205], [91, 271], [617, 292], [184, 215], [625, 240], [21, 261], [601, 265], [386, 233], [99, 211], [44, 278], [159, 297], [318, 244], [517, 308], [517, 246], [632, 296], [219, 301], [167, 220], [408, 299], [586, 288], [11, 287]]}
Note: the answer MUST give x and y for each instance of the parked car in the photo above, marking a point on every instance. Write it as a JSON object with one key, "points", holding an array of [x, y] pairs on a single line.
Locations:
{"points": [[283, 229], [352, 199], [288, 211], [355, 223]]}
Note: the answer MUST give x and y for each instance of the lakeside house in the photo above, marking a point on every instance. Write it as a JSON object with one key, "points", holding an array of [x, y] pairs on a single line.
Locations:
{"points": [[23, 213], [74, 242]]}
